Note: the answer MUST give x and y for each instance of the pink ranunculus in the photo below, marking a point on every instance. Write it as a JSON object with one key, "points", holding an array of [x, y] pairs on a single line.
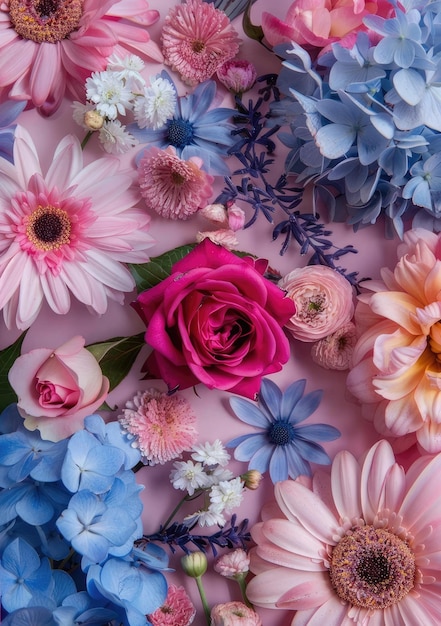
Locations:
{"points": [[396, 373], [323, 299], [320, 22], [234, 614], [58, 388], [215, 320]]}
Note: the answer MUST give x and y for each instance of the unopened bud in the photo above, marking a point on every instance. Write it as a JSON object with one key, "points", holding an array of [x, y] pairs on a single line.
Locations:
{"points": [[93, 120], [194, 564], [252, 479]]}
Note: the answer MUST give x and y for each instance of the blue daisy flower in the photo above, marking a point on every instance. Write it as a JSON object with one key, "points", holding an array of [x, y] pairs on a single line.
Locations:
{"points": [[194, 130], [282, 447]]}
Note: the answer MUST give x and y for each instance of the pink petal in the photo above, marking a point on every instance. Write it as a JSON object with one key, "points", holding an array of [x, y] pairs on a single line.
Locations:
{"points": [[67, 162], [31, 294], [25, 157], [398, 307], [56, 293], [402, 416], [376, 466], [331, 613], [429, 435], [359, 382], [15, 59], [421, 505], [345, 477], [45, 71], [22, 377]]}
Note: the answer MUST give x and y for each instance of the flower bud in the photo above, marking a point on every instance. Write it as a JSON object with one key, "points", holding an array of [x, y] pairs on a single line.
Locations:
{"points": [[252, 479], [215, 213], [93, 120], [237, 75], [194, 564], [236, 217]]}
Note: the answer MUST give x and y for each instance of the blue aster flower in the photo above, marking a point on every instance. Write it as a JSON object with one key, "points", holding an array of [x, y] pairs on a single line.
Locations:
{"points": [[194, 130], [282, 446]]}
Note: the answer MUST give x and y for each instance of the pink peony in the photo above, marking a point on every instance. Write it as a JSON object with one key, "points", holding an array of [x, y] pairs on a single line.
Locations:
{"points": [[362, 547], [237, 75], [396, 362], [234, 614], [215, 320], [50, 48], [177, 610], [323, 299], [320, 22], [57, 389]]}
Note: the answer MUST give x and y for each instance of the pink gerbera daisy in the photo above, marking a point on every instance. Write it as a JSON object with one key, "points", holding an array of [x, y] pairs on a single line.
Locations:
{"points": [[65, 232], [177, 610], [171, 186], [48, 46], [362, 547], [163, 426], [197, 39]]}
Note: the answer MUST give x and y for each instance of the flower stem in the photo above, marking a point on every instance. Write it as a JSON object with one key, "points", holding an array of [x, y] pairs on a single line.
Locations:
{"points": [[205, 606], [86, 139], [186, 498], [243, 590]]}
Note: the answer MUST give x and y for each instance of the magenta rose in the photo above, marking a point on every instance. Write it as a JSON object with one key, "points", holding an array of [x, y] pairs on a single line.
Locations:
{"points": [[57, 389], [215, 320]]}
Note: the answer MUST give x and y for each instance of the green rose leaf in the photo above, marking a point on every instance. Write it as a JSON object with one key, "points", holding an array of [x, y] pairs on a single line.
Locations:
{"points": [[149, 274], [7, 358], [116, 356]]}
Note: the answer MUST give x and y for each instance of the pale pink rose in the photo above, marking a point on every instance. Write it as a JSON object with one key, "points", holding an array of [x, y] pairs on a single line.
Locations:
{"points": [[233, 564], [234, 614], [224, 237], [323, 299], [320, 22], [237, 75], [334, 352], [396, 372], [57, 389]]}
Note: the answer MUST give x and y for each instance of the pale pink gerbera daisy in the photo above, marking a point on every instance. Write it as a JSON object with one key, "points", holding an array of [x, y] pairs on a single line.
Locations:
{"points": [[197, 39], [171, 186], [162, 426], [65, 232], [50, 46], [177, 610], [361, 547]]}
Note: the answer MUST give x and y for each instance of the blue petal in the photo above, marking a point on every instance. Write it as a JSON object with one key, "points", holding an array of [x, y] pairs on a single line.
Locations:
{"points": [[198, 103], [296, 465], [306, 406], [278, 466], [271, 397], [318, 432], [249, 412], [35, 508], [248, 447], [410, 85], [290, 398], [335, 140], [312, 452], [10, 110], [261, 460]]}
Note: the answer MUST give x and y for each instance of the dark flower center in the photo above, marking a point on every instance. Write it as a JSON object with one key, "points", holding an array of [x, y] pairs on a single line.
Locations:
{"points": [[281, 433], [197, 46], [48, 228], [179, 133], [45, 20], [372, 568]]}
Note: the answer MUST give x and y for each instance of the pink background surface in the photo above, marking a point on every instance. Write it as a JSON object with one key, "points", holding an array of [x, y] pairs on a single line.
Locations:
{"points": [[215, 419]]}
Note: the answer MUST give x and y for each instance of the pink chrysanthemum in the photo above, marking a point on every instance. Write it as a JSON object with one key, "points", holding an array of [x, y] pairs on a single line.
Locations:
{"points": [[163, 426], [65, 232], [362, 547], [197, 39], [233, 564], [177, 610], [172, 187], [50, 46]]}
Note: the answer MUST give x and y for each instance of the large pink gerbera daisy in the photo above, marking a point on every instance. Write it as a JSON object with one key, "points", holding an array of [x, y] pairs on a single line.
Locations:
{"points": [[66, 232], [50, 46], [361, 547], [197, 39]]}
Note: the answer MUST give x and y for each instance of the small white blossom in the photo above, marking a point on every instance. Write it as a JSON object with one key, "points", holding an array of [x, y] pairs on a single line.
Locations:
{"points": [[208, 517], [228, 493], [79, 111], [188, 476], [156, 105], [109, 94], [128, 68], [211, 453], [115, 139], [218, 475]]}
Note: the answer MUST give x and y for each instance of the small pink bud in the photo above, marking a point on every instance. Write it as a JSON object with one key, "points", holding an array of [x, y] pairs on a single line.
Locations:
{"points": [[237, 75], [236, 217], [215, 213]]}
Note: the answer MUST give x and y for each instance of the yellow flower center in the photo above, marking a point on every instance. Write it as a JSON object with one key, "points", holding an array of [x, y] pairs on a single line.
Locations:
{"points": [[48, 228], [372, 568], [45, 20]]}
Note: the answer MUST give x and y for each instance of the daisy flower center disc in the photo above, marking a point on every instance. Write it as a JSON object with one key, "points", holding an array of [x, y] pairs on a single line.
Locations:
{"points": [[48, 228], [45, 20], [372, 568], [281, 433], [180, 133]]}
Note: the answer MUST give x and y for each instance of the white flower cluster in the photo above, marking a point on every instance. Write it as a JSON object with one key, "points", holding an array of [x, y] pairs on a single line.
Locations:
{"points": [[115, 91], [206, 473]]}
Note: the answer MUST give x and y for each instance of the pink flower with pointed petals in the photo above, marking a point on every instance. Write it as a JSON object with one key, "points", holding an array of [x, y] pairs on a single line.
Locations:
{"points": [[361, 547], [395, 371], [67, 232], [50, 47]]}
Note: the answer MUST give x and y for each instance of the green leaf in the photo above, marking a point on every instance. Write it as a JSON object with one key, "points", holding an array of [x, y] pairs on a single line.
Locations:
{"points": [[149, 274], [116, 356], [7, 358], [250, 29]]}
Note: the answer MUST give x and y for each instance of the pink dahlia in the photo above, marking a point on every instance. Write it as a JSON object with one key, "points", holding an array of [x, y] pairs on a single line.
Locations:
{"points": [[177, 610], [66, 232], [396, 373], [48, 47], [197, 39], [362, 547], [162, 425], [172, 187]]}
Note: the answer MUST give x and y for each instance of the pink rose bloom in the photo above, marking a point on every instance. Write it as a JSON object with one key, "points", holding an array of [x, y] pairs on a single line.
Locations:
{"points": [[234, 614], [215, 320], [233, 564], [320, 22], [396, 372], [323, 299], [57, 389]]}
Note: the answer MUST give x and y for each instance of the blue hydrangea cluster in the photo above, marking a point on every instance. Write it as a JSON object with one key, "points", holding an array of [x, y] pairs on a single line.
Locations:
{"points": [[70, 514], [365, 121]]}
